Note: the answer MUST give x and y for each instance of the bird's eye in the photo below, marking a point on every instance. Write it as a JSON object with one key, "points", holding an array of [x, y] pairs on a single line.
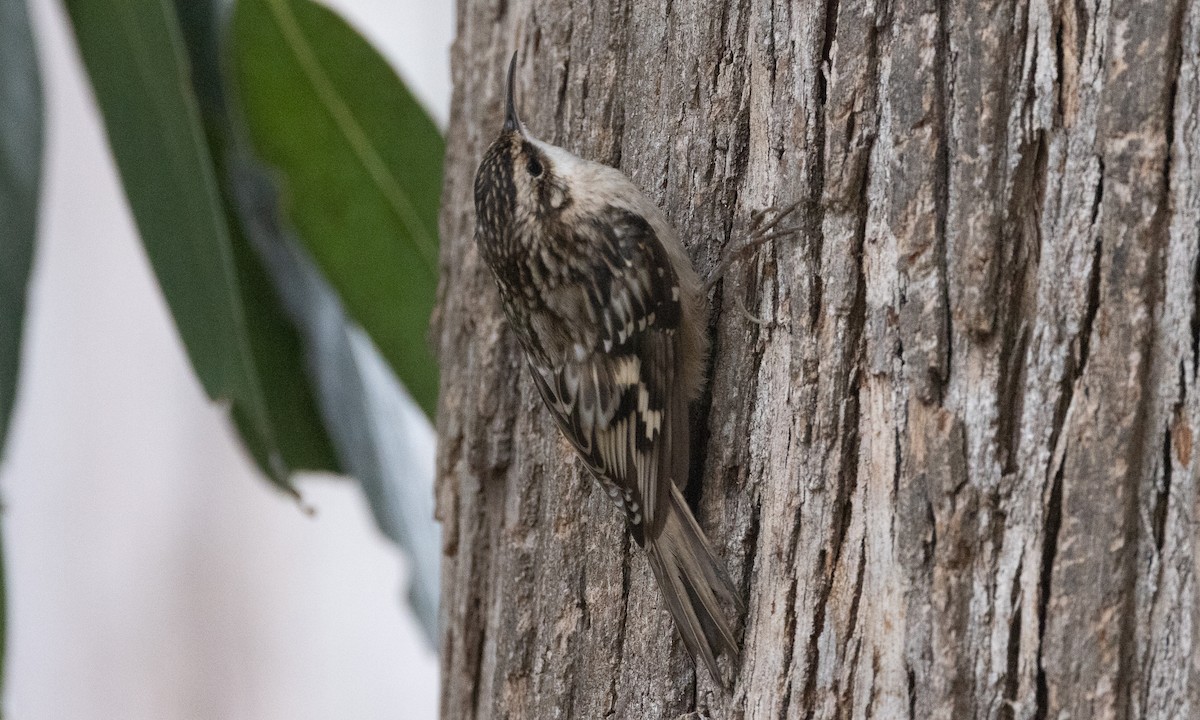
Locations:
{"points": [[534, 167]]}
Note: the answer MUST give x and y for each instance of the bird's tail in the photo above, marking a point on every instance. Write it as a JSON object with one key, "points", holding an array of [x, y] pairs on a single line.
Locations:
{"points": [[695, 584]]}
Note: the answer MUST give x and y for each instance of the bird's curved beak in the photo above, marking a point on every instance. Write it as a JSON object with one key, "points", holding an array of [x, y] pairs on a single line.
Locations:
{"points": [[511, 120]]}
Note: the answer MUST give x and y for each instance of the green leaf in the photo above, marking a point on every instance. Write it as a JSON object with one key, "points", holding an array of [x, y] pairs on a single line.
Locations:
{"points": [[137, 60], [360, 164], [274, 341], [20, 178], [20, 174], [371, 420], [279, 359]]}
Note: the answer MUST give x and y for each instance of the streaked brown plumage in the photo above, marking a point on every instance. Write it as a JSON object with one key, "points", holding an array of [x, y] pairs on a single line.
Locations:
{"points": [[612, 318]]}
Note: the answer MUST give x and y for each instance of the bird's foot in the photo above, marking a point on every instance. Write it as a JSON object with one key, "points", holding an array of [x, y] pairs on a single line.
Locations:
{"points": [[764, 227]]}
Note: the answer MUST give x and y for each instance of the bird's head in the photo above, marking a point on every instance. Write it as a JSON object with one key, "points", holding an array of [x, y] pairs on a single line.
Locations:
{"points": [[522, 182]]}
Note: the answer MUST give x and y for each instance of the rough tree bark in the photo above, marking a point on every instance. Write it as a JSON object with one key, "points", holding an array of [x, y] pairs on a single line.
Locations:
{"points": [[952, 469]]}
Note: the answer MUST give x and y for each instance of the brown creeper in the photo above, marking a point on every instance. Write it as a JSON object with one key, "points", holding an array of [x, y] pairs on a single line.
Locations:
{"points": [[613, 321]]}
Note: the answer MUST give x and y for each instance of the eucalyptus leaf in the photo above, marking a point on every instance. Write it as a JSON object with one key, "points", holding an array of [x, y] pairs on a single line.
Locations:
{"points": [[359, 163], [379, 436], [20, 176], [274, 341], [137, 60]]}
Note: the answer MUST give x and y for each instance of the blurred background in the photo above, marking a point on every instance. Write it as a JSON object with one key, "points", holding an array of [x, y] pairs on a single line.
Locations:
{"points": [[152, 572]]}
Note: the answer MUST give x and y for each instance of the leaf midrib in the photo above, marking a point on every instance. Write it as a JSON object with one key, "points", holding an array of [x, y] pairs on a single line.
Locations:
{"points": [[360, 144]]}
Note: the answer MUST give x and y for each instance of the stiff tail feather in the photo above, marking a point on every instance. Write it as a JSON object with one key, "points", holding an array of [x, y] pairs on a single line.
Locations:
{"points": [[695, 584]]}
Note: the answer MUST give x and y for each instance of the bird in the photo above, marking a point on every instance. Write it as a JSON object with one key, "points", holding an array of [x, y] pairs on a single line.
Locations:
{"points": [[613, 321]]}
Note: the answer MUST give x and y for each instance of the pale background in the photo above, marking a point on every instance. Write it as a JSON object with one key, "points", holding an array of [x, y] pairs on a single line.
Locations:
{"points": [[152, 574]]}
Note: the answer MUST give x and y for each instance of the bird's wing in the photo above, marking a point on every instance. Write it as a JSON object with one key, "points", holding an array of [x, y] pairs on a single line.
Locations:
{"points": [[618, 402]]}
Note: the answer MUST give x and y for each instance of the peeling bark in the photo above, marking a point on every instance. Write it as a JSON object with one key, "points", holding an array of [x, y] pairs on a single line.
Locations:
{"points": [[952, 467]]}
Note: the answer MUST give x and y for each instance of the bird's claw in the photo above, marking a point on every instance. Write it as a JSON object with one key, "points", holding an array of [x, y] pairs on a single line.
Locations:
{"points": [[762, 230]]}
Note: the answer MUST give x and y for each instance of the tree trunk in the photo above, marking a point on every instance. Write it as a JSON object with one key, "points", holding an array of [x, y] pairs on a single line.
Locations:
{"points": [[951, 465]]}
